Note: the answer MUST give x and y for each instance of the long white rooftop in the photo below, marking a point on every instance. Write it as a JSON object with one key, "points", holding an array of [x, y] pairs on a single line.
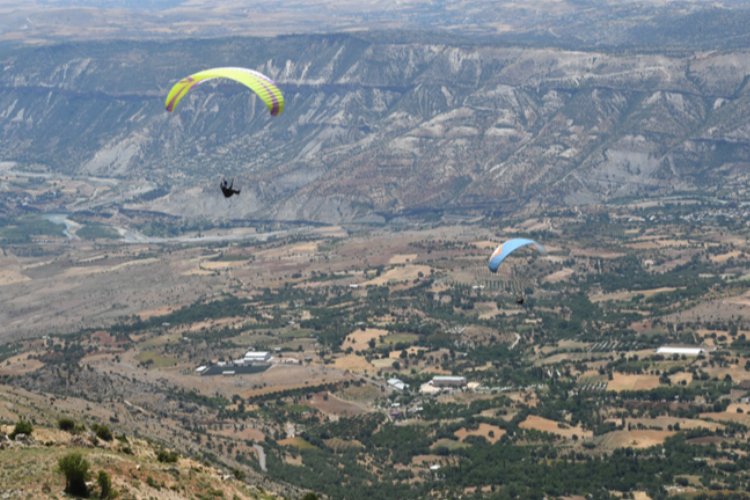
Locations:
{"points": [[688, 351]]}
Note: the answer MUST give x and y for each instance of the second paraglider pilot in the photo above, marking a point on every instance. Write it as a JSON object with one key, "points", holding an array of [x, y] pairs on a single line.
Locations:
{"points": [[227, 188]]}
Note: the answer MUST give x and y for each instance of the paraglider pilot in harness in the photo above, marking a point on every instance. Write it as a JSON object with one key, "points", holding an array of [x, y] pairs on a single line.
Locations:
{"points": [[227, 188]]}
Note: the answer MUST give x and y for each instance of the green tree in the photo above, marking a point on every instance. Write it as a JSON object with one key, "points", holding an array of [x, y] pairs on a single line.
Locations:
{"points": [[168, 457], [102, 432], [22, 427], [66, 424], [76, 471], [105, 485]]}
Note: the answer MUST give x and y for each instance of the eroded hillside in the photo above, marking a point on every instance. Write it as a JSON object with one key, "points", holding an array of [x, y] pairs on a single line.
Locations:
{"points": [[377, 127]]}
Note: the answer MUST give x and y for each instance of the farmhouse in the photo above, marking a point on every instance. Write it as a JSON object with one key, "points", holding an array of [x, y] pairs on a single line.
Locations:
{"points": [[397, 384], [448, 381], [257, 357], [442, 382], [687, 351], [253, 362], [253, 358]]}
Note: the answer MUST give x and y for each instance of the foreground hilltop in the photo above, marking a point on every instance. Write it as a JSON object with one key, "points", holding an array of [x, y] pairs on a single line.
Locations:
{"points": [[137, 467]]}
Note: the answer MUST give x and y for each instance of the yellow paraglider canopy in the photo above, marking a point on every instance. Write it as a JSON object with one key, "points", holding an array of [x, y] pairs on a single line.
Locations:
{"points": [[263, 86]]}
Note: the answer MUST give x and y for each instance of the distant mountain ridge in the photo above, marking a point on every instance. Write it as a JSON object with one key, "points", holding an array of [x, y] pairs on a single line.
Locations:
{"points": [[375, 128]]}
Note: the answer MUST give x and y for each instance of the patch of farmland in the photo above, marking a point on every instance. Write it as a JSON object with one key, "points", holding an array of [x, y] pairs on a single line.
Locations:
{"points": [[737, 413], [663, 422], [561, 357], [637, 439], [244, 434], [724, 257], [155, 359], [408, 272], [403, 258], [359, 340], [632, 382], [680, 377], [491, 433], [401, 338], [353, 362], [742, 300], [20, 365], [152, 313], [485, 244], [329, 404], [221, 265], [234, 321], [723, 309], [736, 372], [570, 345], [626, 295], [303, 249], [382, 363], [650, 243], [363, 394], [83, 271], [411, 351], [558, 276], [282, 378], [597, 253], [486, 310], [553, 427]]}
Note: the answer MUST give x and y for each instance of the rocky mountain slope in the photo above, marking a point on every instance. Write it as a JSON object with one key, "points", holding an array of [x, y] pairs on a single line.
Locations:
{"points": [[380, 124]]}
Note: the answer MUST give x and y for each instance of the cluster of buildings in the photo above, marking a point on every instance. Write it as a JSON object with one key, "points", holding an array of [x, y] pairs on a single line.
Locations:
{"points": [[252, 362], [442, 383], [438, 384], [253, 358]]}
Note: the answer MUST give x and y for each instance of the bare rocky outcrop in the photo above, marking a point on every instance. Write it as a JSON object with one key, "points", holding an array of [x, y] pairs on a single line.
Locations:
{"points": [[23, 438]]}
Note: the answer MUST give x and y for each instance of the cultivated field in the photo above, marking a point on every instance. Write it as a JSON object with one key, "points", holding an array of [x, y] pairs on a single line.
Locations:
{"points": [[330, 404], [627, 295], [491, 433], [359, 339], [400, 259], [354, 362], [406, 273], [20, 364], [558, 428], [632, 382], [637, 439]]}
